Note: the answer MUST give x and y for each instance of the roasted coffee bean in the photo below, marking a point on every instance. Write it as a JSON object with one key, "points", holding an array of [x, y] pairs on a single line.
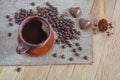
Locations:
{"points": [[7, 16], [10, 24], [48, 3], [9, 34], [110, 24], [18, 69], [74, 50], [62, 41], [85, 57], [77, 44], [21, 10], [70, 45], [58, 41], [79, 48], [60, 34], [67, 42], [78, 32], [10, 19], [63, 46], [71, 59], [32, 4], [55, 55], [108, 33], [63, 56]]}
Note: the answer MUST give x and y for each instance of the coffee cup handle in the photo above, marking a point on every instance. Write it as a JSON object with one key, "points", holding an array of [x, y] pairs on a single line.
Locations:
{"points": [[22, 48]]}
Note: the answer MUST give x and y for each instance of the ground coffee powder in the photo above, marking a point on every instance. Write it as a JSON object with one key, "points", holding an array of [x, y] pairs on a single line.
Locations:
{"points": [[103, 25]]}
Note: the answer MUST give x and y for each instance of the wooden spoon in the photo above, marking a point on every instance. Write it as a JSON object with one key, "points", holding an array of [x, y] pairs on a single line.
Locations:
{"points": [[102, 13], [103, 23]]}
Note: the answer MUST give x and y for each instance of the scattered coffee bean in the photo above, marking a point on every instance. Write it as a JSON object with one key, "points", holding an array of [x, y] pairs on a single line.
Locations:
{"points": [[18, 69], [63, 46], [74, 50], [80, 48], [55, 55], [85, 57], [110, 24], [75, 11], [9, 34], [70, 45], [10, 19], [58, 41], [71, 59], [10, 24], [77, 44], [32, 4], [63, 56], [48, 3], [103, 25], [108, 33], [78, 32], [84, 24], [7, 16]]}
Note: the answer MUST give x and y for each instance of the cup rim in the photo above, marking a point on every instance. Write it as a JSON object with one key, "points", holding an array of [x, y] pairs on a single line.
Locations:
{"points": [[25, 21]]}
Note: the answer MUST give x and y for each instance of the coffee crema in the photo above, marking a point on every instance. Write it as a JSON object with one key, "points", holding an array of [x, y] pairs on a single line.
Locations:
{"points": [[33, 32]]}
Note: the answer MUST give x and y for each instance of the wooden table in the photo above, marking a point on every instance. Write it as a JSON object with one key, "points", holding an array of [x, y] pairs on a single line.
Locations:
{"points": [[106, 64]]}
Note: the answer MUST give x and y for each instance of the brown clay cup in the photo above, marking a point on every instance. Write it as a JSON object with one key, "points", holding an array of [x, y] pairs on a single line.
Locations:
{"points": [[35, 49]]}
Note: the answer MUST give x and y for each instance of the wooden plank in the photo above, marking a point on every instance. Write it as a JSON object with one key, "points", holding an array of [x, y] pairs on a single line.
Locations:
{"points": [[60, 72], [7, 73], [85, 72], [27, 73], [109, 68]]}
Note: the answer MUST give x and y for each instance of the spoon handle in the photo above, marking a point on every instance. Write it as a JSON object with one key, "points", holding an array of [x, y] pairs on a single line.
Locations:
{"points": [[102, 14]]}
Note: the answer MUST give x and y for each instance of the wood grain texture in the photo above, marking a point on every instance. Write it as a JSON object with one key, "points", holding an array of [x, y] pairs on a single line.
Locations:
{"points": [[106, 64]]}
